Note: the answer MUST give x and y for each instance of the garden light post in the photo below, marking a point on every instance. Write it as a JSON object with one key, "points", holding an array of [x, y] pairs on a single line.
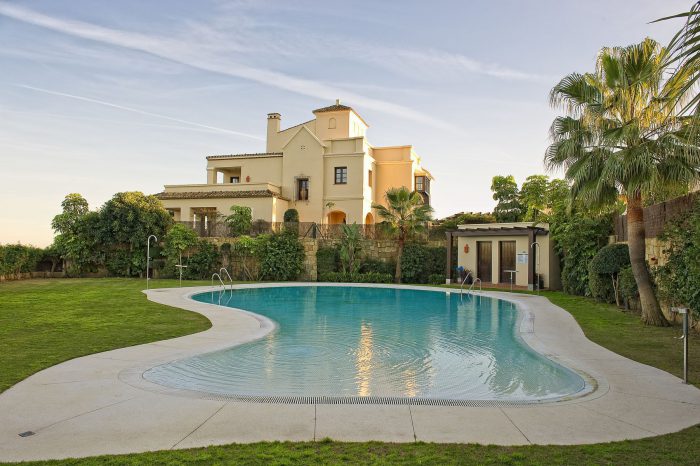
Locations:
{"points": [[683, 311], [148, 256]]}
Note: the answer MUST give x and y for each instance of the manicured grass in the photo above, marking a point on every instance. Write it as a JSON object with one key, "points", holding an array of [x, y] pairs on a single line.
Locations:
{"points": [[680, 448], [624, 333], [44, 322]]}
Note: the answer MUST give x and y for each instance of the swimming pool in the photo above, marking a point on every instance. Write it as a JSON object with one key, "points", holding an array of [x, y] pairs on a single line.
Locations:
{"points": [[374, 342]]}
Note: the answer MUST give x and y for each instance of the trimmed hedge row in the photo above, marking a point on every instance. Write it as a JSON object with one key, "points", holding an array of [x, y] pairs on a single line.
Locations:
{"points": [[370, 277]]}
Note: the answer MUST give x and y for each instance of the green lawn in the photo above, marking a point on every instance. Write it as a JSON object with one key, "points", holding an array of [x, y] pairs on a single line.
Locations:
{"points": [[43, 322]]}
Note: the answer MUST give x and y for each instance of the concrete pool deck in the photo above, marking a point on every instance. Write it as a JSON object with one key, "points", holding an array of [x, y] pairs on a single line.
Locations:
{"points": [[100, 404]]}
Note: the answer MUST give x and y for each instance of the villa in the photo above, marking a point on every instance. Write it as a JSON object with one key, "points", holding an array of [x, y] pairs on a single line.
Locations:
{"points": [[325, 168]]}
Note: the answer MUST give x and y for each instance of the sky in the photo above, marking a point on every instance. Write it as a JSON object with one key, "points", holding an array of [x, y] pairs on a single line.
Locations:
{"points": [[103, 97]]}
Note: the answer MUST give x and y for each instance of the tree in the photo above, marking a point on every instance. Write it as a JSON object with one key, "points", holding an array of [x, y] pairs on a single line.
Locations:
{"points": [[350, 246], [74, 206], [618, 138], [291, 216], [505, 192], [533, 196], [127, 221], [178, 240], [405, 214], [240, 221], [610, 261]]}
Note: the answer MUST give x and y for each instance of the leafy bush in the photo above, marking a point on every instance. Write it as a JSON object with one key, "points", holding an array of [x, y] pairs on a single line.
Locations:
{"points": [[436, 279], [378, 266], [577, 237], [203, 262], [177, 241], [17, 258], [342, 277], [606, 266], [248, 252], [291, 216], [419, 262], [240, 220], [327, 259], [282, 257], [600, 287], [678, 279], [628, 288]]}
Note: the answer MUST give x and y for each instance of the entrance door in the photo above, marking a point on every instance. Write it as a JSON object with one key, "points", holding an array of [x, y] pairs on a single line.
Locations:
{"points": [[507, 260], [483, 261]]}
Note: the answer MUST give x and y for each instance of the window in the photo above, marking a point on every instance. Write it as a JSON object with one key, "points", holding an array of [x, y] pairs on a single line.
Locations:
{"points": [[331, 123], [341, 175], [369, 178], [419, 183], [302, 189], [235, 179]]}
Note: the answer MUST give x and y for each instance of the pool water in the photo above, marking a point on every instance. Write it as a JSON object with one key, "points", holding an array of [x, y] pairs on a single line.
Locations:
{"points": [[374, 342]]}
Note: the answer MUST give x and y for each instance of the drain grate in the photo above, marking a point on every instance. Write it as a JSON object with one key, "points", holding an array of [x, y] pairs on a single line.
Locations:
{"points": [[366, 400], [28, 433]]}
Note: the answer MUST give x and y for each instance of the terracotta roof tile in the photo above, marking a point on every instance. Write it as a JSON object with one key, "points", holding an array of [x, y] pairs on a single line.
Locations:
{"points": [[332, 108], [217, 194], [257, 154]]}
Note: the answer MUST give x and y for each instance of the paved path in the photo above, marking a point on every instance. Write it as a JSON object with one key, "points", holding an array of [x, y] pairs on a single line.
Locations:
{"points": [[100, 404]]}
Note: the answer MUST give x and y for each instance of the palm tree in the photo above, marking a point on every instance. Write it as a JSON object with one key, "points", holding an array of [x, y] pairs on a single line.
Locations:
{"points": [[618, 137], [405, 213]]}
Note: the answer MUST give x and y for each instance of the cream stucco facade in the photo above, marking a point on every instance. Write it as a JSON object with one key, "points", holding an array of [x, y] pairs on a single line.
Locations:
{"points": [[324, 168]]}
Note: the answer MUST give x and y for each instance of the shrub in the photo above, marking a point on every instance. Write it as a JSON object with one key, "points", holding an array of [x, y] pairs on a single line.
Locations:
{"points": [[291, 216], [607, 264], [628, 288], [419, 262], [342, 277], [282, 257], [17, 258], [203, 262], [248, 252], [678, 279], [378, 266], [436, 278], [327, 259], [600, 287], [240, 221], [577, 237]]}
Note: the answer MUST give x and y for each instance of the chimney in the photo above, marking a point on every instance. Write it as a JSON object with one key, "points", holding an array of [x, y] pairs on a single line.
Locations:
{"points": [[273, 127], [337, 101]]}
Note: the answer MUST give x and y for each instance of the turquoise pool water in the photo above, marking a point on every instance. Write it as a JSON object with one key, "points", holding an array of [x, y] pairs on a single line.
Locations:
{"points": [[383, 342]]}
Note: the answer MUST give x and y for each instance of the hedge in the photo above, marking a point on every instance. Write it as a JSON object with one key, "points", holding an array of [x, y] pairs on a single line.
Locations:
{"points": [[419, 262], [371, 277]]}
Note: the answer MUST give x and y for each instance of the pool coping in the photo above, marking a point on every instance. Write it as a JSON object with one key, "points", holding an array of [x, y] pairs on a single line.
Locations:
{"points": [[135, 376], [90, 406]]}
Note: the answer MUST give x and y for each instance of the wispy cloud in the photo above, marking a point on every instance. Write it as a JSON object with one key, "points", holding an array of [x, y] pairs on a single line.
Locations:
{"points": [[188, 53], [140, 112]]}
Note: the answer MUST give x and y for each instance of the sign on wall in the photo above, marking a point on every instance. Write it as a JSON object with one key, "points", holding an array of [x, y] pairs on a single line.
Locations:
{"points": [[522, 258]]}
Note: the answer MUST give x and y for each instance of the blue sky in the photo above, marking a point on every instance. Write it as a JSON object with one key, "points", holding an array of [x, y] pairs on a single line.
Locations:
{"points": [[101, 97]]}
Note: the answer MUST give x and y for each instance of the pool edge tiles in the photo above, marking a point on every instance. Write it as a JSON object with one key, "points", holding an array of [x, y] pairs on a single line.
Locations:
{"points": [[568, 383]]}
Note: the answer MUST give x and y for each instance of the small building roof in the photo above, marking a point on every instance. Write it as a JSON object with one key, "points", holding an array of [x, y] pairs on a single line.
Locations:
{"points": [[338, 107]]}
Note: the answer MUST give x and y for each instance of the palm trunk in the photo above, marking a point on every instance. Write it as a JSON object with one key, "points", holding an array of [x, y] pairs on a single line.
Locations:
{"points": [[651, 311], [399, 253]]}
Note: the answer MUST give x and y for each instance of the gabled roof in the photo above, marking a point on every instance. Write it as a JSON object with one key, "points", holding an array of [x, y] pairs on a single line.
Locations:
{"points": [[303, 128]]}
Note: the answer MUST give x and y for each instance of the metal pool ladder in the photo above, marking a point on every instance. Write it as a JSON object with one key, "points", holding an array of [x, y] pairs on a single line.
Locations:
{"points": [[471, 287], [220, 281], [223, 269]]}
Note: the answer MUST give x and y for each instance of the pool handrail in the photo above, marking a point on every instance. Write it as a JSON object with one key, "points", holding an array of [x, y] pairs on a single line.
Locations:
{"points": [[223, 269], [220, 281]]}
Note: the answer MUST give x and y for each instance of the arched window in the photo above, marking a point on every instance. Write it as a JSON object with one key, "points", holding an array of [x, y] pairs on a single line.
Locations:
{"points": [[331, 123]]}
